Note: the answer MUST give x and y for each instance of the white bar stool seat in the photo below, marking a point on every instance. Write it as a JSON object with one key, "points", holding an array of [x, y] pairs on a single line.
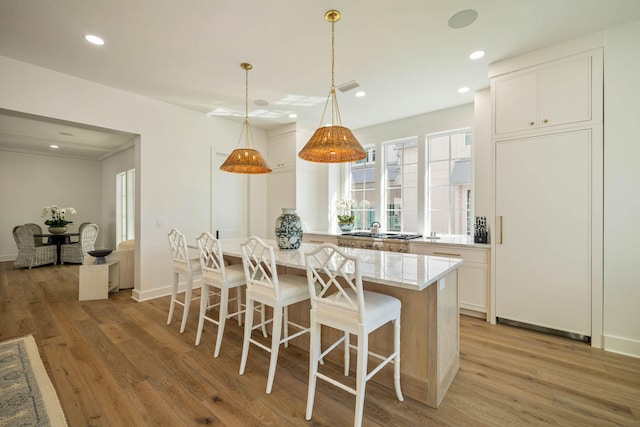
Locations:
{"points": [[339, 301]]}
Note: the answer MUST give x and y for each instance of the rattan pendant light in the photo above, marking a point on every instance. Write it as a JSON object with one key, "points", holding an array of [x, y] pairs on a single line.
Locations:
{"points": [[246, 160], [334, 143]]}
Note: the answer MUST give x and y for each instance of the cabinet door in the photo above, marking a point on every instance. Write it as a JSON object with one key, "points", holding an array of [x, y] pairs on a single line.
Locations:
{"points": [[282, 152], [472, 275], [543, 253], [565, 92], [516, 103], [472, 285]]}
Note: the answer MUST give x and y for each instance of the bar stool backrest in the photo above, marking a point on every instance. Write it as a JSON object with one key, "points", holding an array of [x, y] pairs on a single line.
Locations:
{"points": [[259, 265]]}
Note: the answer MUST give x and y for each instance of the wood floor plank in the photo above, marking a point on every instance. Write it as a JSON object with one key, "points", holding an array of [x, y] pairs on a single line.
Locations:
{"points": [[115, 362]]}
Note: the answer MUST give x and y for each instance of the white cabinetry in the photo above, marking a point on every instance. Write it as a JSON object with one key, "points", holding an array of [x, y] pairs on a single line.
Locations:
{"points": [[547, 148], [473, 274], [543, 259], [282, 151], [555, 94], [293, 184]]}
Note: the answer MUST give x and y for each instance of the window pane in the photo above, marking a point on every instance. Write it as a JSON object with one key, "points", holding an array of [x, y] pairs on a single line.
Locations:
{"points": [[439, 148], [449, 183], [459, 147], [363, 189], [401, 180], [439, 197], [439, 222], [439, 173]]}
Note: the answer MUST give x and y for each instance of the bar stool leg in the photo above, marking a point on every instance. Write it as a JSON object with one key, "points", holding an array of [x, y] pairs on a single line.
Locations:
{"points": [[248, 325], [224, 310], [275, 345], [187, 302], [361, 376], [174, 295], [204, 302]]}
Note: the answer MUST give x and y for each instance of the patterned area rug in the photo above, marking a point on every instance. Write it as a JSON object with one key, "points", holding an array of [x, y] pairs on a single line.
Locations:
{"points": [[27, 397]]}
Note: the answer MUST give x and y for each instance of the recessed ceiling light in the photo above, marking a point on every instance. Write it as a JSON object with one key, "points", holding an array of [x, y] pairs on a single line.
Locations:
{"points": [[477, 54], [462, 19], [53, 146], [463, 90], [293, 115], [361, 94], [93, 39]]}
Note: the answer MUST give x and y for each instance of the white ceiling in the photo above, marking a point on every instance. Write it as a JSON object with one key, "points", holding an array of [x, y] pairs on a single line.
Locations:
{"points": [[402, 53]]}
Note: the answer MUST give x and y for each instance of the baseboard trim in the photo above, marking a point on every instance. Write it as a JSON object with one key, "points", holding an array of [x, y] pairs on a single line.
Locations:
{"points": [[139, 296], [620, 345]]}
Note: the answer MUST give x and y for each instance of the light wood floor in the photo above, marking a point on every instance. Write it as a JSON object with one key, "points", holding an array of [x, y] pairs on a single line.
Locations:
{"points": [[116, 363]]}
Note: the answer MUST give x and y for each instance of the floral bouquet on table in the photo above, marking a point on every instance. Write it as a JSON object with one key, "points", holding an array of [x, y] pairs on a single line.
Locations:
{"points": [[57, 215]]}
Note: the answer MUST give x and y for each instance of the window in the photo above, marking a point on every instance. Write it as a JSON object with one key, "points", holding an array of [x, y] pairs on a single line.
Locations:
{"points": [[363, 189], [449, 183], [401, 185], [125, 205]]}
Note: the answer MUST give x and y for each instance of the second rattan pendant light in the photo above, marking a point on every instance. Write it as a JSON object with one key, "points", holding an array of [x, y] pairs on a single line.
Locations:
{"points": [[246, 160], [334, 143]]}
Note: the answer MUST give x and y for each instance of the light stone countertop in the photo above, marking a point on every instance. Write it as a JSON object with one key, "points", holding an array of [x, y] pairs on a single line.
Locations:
{"points": [[443, 239], [409, 271]]}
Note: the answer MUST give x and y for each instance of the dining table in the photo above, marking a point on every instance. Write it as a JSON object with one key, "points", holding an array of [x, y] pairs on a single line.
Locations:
{"points": [[427, 287], [58, 239]]}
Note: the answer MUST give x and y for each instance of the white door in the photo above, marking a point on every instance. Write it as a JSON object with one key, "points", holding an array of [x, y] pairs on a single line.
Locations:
{"points": [[228, 201], [543, 260]]}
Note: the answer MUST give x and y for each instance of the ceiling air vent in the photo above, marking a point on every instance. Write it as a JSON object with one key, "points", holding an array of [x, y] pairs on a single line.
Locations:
{"points": [[348, 86]]}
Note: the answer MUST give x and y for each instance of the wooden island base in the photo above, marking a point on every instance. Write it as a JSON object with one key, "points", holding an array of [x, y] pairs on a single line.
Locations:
{"points": [[429, 339]]}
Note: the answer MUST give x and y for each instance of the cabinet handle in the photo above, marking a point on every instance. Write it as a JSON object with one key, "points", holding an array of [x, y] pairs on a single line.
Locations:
{"points": [[532, 123], [445, 254], [499, 229], [546, 120]]}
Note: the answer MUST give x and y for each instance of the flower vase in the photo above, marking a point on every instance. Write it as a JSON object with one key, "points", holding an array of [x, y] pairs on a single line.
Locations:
{"points": [[346, 226], [57, 230], [288, 229]]}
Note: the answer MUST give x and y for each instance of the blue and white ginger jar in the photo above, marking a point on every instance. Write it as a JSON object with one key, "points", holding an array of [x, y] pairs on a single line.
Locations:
{"points": [[289, 229]]}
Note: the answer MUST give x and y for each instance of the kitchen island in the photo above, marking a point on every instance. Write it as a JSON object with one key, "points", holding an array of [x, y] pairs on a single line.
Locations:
{"points": [[427, 286]]}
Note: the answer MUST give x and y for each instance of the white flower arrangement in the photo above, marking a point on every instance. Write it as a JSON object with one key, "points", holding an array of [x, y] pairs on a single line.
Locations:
{"points": [[57, 215], [344, 207]]}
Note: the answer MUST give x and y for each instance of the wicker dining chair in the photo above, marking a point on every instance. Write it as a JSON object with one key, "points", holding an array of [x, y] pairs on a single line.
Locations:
{"points": [[31, 254], [75, 252], [36, 230]]}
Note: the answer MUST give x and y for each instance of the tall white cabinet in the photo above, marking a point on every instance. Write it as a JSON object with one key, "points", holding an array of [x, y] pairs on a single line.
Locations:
{"points": [[294, 183], [547, 142]]}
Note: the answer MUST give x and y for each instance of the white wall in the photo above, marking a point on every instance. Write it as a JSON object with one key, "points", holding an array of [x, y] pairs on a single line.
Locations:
{"points": [[172, 159], [30, 182], [621, 192], [120, 162]]}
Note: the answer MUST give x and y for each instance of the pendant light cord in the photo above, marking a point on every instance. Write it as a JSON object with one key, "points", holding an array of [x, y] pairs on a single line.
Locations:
{"points": [[246, 105]]}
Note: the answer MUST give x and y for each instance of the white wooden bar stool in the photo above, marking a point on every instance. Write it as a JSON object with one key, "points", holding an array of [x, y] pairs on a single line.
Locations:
{"points": [[217, 280], [338, 301], [265, 286], [185, 266]]}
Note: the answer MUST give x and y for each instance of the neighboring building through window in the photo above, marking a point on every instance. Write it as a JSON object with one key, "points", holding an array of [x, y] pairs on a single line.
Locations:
{"points": [[449, 183], [401, 185], [362, 175], [125, 205]]}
